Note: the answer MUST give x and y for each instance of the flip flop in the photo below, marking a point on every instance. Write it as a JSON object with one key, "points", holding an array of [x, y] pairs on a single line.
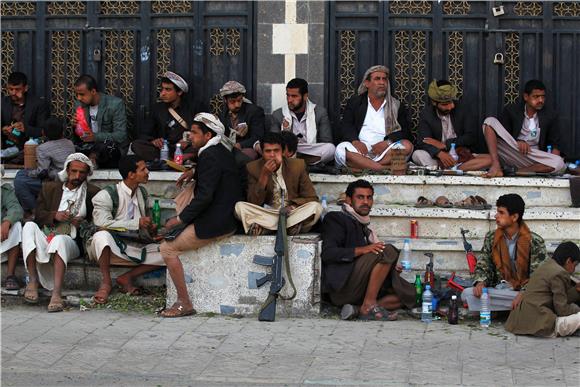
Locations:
{"points": [[483, 202], [31, 295], [55, 307], [12, 283], [177, 311], [377, 313], [102, 295], [443, 202], [422, 202], [469, 203]]}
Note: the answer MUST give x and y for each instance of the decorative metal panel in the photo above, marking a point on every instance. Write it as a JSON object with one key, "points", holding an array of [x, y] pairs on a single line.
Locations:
{"points": [[216, 36], [456, 7], [119, 7], [456, 60], [410, 7], [528, 8], [163, 51], [7, 55], [216, 104], [66, 8], [65, 67], [512, 67], [567, 8], [120, 66], [233, 41], [171, 6], [347, 65], [17, 8]]}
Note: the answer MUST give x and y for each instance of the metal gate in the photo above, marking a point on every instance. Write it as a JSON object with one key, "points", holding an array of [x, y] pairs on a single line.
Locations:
{"points": [[488, 56], [127, 45]]}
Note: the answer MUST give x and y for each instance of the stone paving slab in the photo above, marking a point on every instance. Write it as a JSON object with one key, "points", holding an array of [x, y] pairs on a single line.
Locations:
{"points": [[104, 348]]}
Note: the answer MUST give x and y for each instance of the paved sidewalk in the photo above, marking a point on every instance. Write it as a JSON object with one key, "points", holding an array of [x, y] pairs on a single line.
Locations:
{"points": [[105, 348]]}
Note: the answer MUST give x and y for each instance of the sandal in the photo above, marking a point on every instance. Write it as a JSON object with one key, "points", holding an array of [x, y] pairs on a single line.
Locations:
{"points": [[469, 203], [349, 312], [443, 202], [177, 310], [102, 295], [256, 230], [422, 202], [54, 307], [30, 295], [12, 283], [481, 201], [377, 313]]}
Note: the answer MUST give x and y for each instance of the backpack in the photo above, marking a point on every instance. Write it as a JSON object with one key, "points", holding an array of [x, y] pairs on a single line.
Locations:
{"points": [[112, 191]]}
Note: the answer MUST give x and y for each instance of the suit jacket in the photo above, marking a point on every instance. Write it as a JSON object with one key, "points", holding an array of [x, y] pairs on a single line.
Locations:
{"points": [[112, 119], [103, 211], [217, 190], [49, 200], [161, 123], [512, 118], [298, 185], [550, 293], [253, 116], [323, 128], [354, 117], [36, 112], [430, 126], [11, 209]]}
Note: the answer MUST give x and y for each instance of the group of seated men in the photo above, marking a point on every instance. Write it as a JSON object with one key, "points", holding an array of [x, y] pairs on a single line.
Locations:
{"points": [[212, 202]]}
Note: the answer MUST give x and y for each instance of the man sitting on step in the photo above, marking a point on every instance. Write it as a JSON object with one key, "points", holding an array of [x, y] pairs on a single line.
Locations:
{"points": [[510, 254], [443, 122], [124, 207], [548, 307], [275, 181], [359, 271]]}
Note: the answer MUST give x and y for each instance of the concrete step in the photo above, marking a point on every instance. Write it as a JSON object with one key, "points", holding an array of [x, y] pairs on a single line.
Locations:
{"points": [[537, 192], [394, 220]]}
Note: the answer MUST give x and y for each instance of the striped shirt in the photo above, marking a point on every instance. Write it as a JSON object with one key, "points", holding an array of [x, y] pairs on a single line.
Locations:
{"points": [[51, 156]]}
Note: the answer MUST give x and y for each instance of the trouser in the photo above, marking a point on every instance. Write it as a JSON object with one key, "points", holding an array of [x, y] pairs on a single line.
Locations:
{"points": [[249, 213], [499, 299], [566, 326], [27, 189]]}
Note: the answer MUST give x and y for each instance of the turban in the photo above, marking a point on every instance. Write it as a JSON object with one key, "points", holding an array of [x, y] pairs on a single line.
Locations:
{"points": [[232, 87], [212, 122], [63, 175], [362, 88], [177, 81], [444, 93]]}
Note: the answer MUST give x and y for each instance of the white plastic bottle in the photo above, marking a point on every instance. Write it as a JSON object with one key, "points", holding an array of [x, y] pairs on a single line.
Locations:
{"points": [[406, 261], [427, 305], [453, 154], [485, 313], [549, 150], [324, 204], [164, 151], [178, 155]]}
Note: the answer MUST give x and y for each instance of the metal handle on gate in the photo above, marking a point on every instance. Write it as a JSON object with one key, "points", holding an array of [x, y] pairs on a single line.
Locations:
{"points": [[498, 58]]}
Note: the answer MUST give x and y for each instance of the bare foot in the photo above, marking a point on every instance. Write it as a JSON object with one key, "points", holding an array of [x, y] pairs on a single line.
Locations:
{"points": [[494, 171], [56, 304], [102, 295], [127, 287]]}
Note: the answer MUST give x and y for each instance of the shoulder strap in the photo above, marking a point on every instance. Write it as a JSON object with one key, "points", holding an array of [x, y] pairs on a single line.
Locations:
{"points": [[177, 117], [145, 200], [112, 190]]}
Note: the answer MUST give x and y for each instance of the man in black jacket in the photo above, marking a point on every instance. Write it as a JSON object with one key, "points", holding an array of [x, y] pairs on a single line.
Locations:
{"points": [[526, 137], [357, 268], [372, 123], [23, 115], [241, 116], [209, 215], [443, 122]]}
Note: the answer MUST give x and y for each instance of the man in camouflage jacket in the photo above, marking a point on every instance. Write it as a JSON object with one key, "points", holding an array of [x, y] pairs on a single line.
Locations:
{"points": [[510, 254]]}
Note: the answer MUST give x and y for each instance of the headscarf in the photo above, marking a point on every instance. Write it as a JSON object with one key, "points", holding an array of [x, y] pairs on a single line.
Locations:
{"points": [[392, 104], [442, 94], [234, 87], [63, 175], [365, 221], [177, 80], [212, 122]]}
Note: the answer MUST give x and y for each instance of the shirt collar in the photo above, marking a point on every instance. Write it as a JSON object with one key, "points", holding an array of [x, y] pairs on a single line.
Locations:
{"points": [[526, 114], [126, 189], [381, 107]]}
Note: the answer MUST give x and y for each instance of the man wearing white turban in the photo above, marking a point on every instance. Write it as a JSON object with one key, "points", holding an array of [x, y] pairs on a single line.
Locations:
{"points": [[372, 123], [50, 243]]}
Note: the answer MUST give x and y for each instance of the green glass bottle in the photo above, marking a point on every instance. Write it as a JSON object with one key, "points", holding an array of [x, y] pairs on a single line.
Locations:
{"points": [[156, 213], [418, 290]]}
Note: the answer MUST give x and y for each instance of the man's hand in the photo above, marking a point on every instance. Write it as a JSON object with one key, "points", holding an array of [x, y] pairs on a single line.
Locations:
{"points": [[435, 143], [524, 147], [362, 148], [517, 300], [478, 289], [90, 137], [285, 124], [185, 177], [157, 143], [269, 168], [375, 248], [399, 268], [446, 159], [172, 223], [6, 129], [145, 222], [379, 147], [4, 230], [19, 126], [238, 146], [62, 216]]}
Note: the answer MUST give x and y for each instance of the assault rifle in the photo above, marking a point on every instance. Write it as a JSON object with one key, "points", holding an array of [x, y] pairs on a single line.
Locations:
{"points": [[268, 308]]}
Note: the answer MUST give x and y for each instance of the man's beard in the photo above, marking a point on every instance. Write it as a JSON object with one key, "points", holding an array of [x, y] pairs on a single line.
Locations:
{"points": [[298, 107]]}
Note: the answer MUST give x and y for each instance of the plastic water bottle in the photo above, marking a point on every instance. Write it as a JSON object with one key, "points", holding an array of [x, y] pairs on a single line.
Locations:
{"points": [[485, 313], [406, 261], [324, 204], [164, 151], [549, 150], [427, 305], [575, 165], [178, 156], [453, 153]]}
